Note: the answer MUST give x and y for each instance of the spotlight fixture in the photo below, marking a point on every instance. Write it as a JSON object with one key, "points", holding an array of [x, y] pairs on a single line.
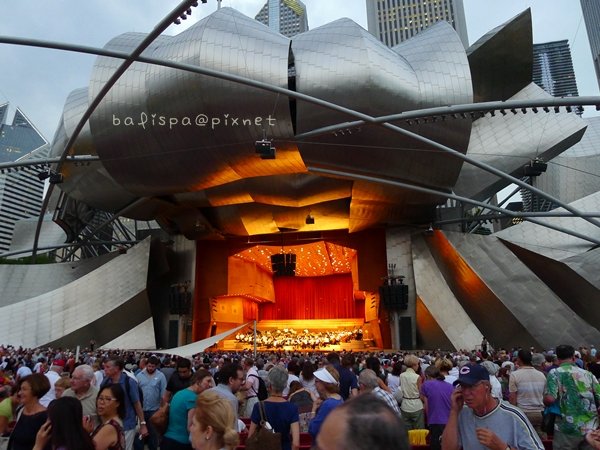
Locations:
{"points": [[265, 149], [535, 110], [52, 176], [55, 178], [597, 107], [569, 109], [524, 110], [310, 220], [513, 110], [43, 175], [493, 113], [503, 112], [546, 109], [535, 168], [557, 109]]}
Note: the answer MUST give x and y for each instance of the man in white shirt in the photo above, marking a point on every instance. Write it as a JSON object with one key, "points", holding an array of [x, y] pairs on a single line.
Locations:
{"points": [[53, 376]]}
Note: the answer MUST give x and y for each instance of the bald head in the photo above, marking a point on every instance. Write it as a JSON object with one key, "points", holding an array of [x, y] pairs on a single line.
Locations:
{"points": [[363, 423]]}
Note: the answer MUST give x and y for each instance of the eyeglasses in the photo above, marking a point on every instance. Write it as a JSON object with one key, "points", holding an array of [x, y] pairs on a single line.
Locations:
{"points": [[106, 399]]}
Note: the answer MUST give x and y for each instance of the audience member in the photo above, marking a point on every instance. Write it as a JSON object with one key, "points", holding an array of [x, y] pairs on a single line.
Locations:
{"points": [[153, 384], [113, 369], [111, 410], [436, 395], [328, 386], [363, 423], [82, 389], [578, 394], [33, 414], [211, 424], [64, 428], [180, 379], [526, 389], [486, 421], [181, 412], [410, 384], [281, 414]]}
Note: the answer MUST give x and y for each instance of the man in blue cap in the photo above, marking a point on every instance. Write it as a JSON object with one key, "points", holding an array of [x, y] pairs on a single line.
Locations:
{"points": [[485, 422]]}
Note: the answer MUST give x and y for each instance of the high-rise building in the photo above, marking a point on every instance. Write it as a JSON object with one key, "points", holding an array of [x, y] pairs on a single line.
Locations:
{"points": [[394, 21], [288, 17], [591, 15], [553, 70], [21, 190]]}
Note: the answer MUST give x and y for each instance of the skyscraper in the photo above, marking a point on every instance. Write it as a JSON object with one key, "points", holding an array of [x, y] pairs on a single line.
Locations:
{"points": [[591, 15], [288, 17], [553, 69], [394, 21], [20, 191]]}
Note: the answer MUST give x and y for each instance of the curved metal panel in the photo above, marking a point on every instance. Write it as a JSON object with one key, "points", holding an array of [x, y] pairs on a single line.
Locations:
{"points": [[68, 309], [508, 142], [342, 63], [552, 243], [164, 157], [435, 294], [90, 182], [502, 60], [574, 174], [521, 292]]}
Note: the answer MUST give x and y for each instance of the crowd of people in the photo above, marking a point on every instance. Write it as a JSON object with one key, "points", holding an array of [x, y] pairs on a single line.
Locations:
{"points": [[304, 339], [53, 399]]}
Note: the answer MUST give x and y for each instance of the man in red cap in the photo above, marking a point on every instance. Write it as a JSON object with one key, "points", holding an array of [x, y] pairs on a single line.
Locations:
{"points": [[486, 422]]}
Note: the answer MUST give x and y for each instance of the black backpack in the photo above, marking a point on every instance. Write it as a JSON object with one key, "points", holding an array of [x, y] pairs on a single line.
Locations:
{"points": [[262, 393]]}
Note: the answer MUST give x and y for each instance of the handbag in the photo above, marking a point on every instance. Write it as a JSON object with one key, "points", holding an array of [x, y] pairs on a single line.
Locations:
{"points": [[160, 419], [265, 438]]}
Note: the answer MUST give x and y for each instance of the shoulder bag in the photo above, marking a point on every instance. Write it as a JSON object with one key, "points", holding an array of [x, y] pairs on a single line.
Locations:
{"points": [[160, 419], [264, 438]]}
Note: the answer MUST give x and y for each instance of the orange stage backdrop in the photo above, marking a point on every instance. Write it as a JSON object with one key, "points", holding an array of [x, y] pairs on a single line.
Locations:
{"points": [[329, 297]]}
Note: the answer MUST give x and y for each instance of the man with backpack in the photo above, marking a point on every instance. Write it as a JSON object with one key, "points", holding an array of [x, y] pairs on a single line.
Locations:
{"points": [[250, 387], [113, 373]]}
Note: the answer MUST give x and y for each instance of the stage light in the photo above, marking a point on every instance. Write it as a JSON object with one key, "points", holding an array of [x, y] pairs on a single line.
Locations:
{"points": [[43, 175], [503, 112], [513, 110], [546, 109], [557, 109], [535, 110], [310, 220], [524, 110], [56, 178], [569, 109], [265, 149]]}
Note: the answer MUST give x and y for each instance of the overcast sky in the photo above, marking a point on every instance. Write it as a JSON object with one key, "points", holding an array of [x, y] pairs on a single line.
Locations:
{"points": [[38, 80]]}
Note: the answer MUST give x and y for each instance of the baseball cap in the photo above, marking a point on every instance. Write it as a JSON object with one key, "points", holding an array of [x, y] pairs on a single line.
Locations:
{"points": [[471, 374]]}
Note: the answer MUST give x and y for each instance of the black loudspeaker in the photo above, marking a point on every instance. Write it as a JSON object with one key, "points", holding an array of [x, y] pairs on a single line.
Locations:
{"points": [[394, 297], [283, 264]]}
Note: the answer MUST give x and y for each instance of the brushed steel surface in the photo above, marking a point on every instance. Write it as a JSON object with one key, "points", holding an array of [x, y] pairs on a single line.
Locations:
{"points": [[52, 314], [533, 306], [439, 299], [508, 142]]}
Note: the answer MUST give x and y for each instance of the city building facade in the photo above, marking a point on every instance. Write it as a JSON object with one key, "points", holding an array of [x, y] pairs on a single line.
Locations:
{"points": [[394, 21], [287, 17], [20, 190], [591, 15], [553, 69]]}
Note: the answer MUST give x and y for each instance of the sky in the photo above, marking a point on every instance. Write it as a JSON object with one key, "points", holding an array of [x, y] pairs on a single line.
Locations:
{"points": [[39, 80]]}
